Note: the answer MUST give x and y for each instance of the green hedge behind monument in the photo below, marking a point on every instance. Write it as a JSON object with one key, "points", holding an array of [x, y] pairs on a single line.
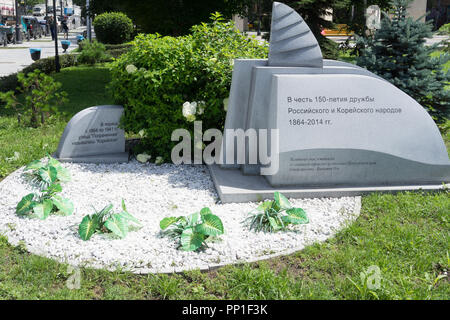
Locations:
{"points": [[160, 74]]}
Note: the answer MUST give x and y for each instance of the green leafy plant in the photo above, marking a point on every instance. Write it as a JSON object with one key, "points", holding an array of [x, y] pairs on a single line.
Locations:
{"points": [[193, 230], [41, 97], [113, 27], [41, 205], [45, 174], [106, 221], [153, 81], [275, 215], [92, 52]]}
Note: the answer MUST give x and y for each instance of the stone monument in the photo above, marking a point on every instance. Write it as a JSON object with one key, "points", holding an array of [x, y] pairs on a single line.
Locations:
{"points": [[93, 136], [342, 130]]}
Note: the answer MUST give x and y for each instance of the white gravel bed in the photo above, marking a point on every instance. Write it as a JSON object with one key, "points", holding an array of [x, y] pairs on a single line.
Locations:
{"points": [[151, 193]]}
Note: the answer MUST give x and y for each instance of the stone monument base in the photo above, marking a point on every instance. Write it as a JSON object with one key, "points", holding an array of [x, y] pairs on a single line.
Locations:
{"points": [[233, 186], [120, 157]]}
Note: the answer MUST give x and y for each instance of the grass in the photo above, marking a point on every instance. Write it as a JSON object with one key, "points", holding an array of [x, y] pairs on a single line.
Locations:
{"points": [[406, 236]]}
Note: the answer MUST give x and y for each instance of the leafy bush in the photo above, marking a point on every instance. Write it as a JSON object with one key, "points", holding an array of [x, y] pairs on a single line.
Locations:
{"points": [[48, 178], [92, 52], [276, 215], [113, 27], [41, 97], [159, 74], [444, 29], [193, 230], [107, 221]]}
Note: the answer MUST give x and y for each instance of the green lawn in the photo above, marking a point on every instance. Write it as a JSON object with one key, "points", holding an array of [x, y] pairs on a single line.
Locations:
{"points": [[405, 235]]}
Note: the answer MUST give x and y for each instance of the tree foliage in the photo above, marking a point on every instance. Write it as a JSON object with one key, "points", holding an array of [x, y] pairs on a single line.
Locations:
{"points": [[397, 52]]}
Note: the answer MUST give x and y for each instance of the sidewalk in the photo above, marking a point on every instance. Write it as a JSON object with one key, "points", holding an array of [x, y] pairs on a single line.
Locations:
{"points": [[14, 58]]}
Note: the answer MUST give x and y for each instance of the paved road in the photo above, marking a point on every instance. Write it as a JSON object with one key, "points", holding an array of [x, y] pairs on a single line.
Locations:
{"points": [[14, 58]]}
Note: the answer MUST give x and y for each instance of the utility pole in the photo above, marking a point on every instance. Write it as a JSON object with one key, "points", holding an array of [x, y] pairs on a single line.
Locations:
{"points": [[55, 26], [259, 18], [88, 21], [18, 37]]}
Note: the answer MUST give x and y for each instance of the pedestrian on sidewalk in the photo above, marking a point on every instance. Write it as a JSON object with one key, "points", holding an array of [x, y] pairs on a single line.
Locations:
{"points": [[51, 26], [65, 27]]}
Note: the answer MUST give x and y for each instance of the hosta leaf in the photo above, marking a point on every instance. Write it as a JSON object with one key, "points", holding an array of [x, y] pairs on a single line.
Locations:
{"points": [[87, 227], [48, 174], [34, 165], [266, 205], [193, 219], [117, 225], [53, 162], [211, 226], [43, 210], [54, 188], [273, 223], [166, 222], [64, 205], [297, 216], [282, 201], [205, 211], [63, 174], [26, 204], [190, 240], [125, 215], [104, 213]]}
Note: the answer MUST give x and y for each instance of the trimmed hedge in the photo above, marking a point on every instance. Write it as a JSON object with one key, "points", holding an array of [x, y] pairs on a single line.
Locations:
{"points": [[113, 28]]}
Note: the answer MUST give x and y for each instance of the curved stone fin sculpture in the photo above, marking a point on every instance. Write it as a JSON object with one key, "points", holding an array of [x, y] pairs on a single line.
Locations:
{"points": [[292, 44]]}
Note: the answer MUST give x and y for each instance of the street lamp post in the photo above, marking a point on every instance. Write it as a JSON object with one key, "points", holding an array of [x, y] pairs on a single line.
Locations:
{"points": [[18, 37], [55, 26]]}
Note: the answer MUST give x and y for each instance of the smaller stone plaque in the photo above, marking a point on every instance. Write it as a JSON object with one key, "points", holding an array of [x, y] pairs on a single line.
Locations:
{"points": [[93, 136]]}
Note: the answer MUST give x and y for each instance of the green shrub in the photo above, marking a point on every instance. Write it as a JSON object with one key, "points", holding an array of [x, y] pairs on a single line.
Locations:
{"points": [[113, 27], [444, 30], [92, 52], [159, 74], [41, 97]]}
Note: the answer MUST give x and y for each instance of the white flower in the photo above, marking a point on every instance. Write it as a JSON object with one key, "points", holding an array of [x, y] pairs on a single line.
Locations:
{"points": [[159, 160], [142, 133], [143, 157], [225, 104], [131, 68], [201, 107], [189, 109]]}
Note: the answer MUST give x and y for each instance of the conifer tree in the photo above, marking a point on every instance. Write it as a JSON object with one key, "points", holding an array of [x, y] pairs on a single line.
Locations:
{"points": [[397, 53]]}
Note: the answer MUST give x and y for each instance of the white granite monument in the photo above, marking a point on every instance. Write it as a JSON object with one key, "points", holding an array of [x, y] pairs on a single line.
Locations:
{"points": [[342, 130]]}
